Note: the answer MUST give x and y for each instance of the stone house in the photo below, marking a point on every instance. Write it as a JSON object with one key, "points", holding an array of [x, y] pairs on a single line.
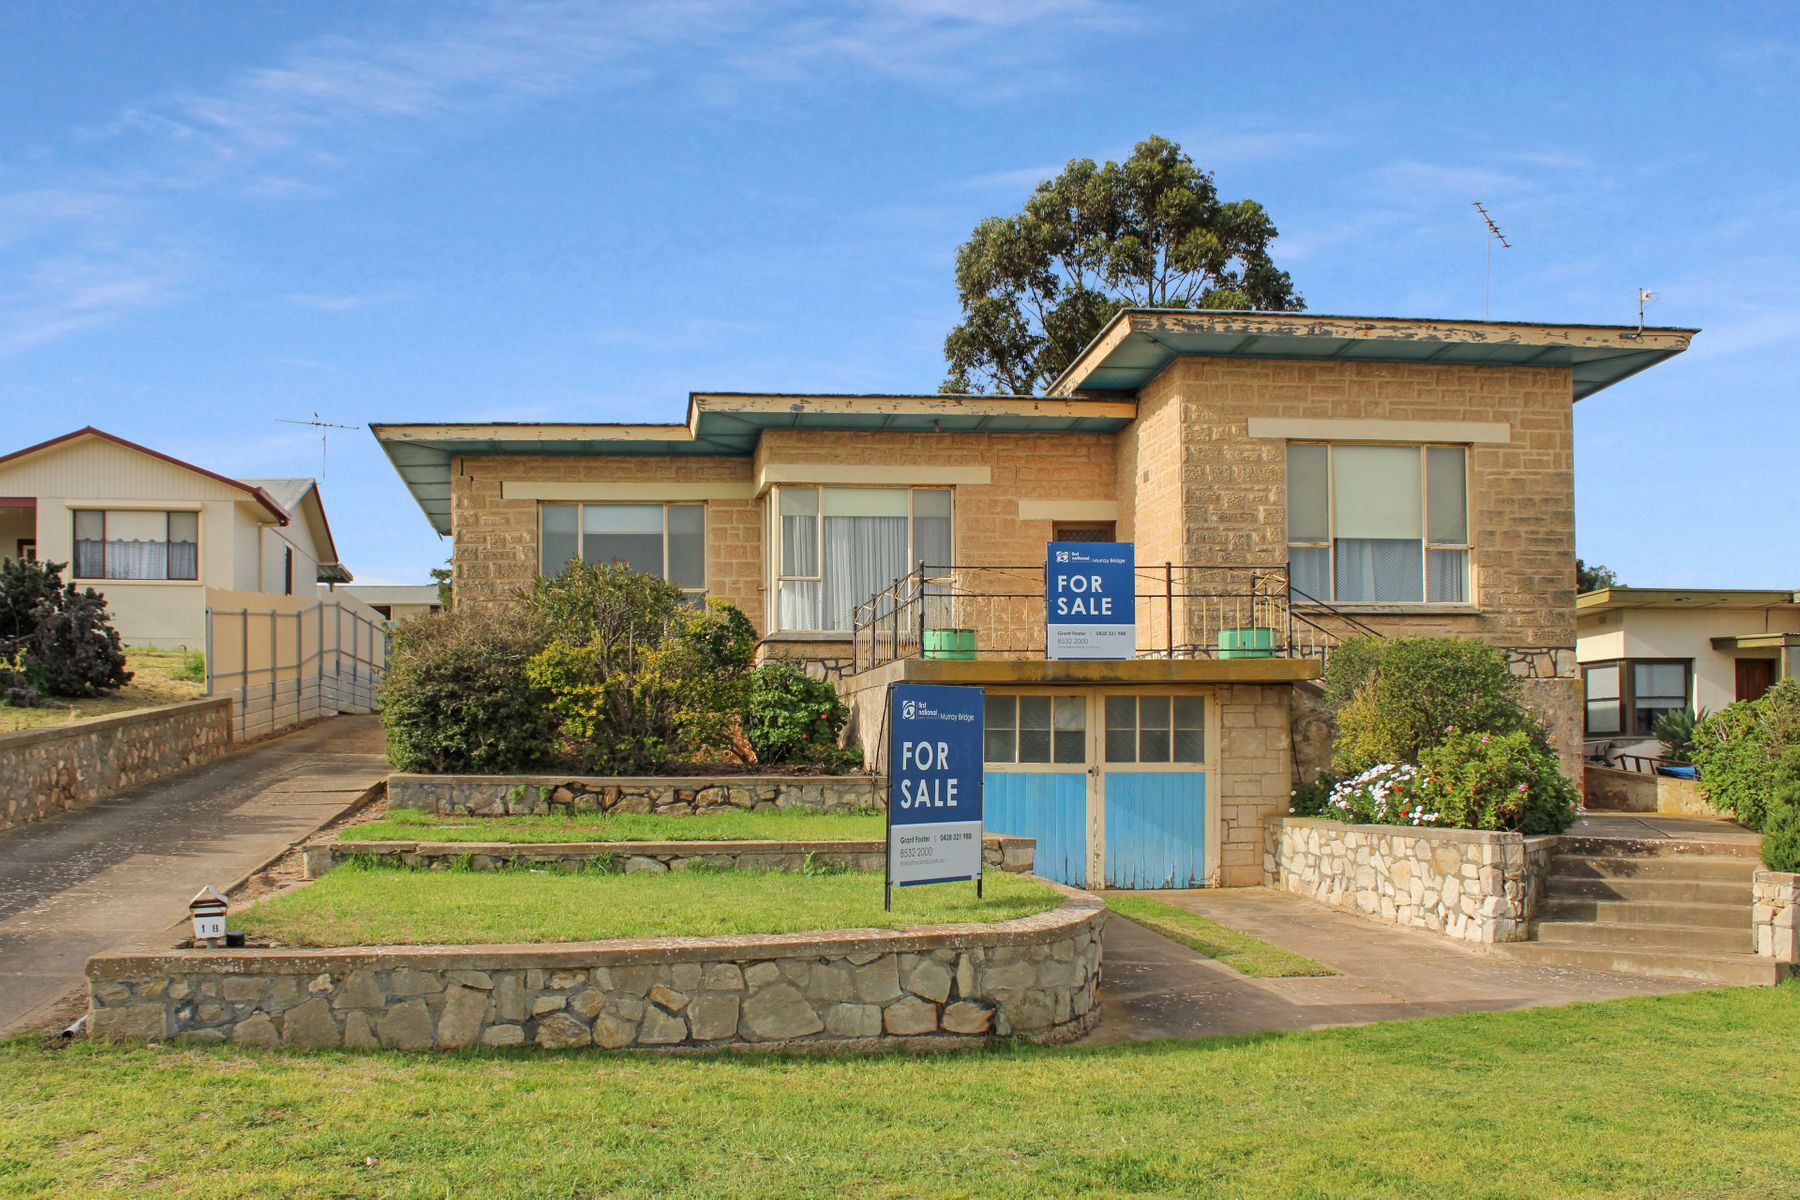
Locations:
{"points": [[1287, 479]]}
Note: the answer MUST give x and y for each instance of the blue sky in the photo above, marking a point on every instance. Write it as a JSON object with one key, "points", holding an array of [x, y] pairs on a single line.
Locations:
{"points": [[215, 215]]}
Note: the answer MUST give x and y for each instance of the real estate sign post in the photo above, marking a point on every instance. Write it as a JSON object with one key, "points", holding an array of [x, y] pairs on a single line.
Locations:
{"points": [[934, 785], [1090, 600]]}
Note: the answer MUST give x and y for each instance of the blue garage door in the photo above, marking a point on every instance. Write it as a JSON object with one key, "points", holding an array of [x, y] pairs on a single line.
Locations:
{"points": [[1036, 783], [1154, 790]]}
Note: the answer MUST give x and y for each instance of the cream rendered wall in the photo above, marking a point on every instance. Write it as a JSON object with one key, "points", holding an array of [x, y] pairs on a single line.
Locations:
{"points": [[1684, 633], [94, 473], [274, 540]]}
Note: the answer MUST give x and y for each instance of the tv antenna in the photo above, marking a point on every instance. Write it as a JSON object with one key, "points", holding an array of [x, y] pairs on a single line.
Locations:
{"points": [[324, 428], [1645, 296], [1494, 235]]}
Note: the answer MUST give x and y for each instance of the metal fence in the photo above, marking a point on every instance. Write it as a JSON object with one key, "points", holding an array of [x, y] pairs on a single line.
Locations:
{"points": [[285, 666], [1184, 610]]}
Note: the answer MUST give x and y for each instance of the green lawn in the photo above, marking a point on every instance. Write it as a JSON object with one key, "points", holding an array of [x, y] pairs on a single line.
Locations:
{"points": [[157, 677], [1240, 951], [1681, 1096], [412, 825], [358, 905]]}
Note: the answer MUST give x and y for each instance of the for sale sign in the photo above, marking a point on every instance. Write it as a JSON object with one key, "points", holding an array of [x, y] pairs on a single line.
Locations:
{"points": [[1090, 600], [934, 783]]}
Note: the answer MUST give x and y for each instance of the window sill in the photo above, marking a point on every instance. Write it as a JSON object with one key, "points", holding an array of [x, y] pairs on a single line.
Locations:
{"points": [[94, 581], [1379, 608]]}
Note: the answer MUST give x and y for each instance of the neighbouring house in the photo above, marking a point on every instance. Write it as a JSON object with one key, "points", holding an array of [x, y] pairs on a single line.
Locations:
{"points": [[1647, 651], [152, 533], [1288, 480], [397, 601]]}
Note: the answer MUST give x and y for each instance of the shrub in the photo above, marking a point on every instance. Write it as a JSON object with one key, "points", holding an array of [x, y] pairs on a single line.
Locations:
{"points": [[17, 687], [1739, 748], [1397, 697], [794, 719], [1781, 828], [1385, 794], [1675, 730], [192, 668], [1499, 781], [456, 696], [1311, 799], [24, 585], [54, 637]]}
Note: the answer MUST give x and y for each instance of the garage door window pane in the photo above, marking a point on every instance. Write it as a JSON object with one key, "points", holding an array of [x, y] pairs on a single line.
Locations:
{"points": [[1002, 729], [1190, 729], [1071, 729], [1121, 729], [1034, 729], [1153, 729]]}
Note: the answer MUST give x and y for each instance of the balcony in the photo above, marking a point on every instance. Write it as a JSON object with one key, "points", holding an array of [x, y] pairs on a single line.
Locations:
{"points": [[1185, 611]]}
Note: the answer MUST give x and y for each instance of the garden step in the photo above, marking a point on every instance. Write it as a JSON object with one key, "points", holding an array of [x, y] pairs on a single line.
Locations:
{"points": [[1707, 891], [1733, 970], [1742, 846], [1653, 866], [1646, 936], [1641, 912]]}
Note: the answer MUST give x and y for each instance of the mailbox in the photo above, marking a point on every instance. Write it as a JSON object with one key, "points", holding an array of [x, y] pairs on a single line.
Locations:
{"points": [[208, 913]]}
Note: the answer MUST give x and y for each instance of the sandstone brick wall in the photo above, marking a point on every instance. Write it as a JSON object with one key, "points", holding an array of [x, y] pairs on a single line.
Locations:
{"points": [[535, 795], [1033, 978], [1470, 885], [50, 770], [496, 540], [1254, 776], [1775, 916]]}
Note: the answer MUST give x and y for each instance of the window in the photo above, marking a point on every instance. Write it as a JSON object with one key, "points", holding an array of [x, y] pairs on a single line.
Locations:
{"points": [[136, 544], [1625, 698], [287, 571], [1378, 523], [836, 547], [664, 540], [1036, 729], [1603, 712], [1155, 729]]}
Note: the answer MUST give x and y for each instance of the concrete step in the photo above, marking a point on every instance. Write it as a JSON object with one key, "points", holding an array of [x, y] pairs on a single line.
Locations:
{"points": [[1668, 891], [1743, 845], [1731, 970], [1642, 912], [1646, 936], [1654, 866]]}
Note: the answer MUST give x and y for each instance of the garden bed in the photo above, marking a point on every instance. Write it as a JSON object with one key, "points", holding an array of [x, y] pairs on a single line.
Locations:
{"points": [[693, 795], [943, 966], [789, 825]]}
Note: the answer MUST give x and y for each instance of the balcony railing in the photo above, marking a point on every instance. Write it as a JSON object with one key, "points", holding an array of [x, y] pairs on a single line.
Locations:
{"points": [[1184, 610]]}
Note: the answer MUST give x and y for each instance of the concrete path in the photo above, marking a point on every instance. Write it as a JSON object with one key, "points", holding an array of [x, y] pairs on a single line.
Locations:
{"points": [[1658, 827], [1152, 987], [120, 872]]}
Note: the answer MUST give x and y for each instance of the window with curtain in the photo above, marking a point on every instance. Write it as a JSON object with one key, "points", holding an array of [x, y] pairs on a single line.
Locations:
{"points": [[838, 546], [124, 543], [664, 540], [1378, 523]]}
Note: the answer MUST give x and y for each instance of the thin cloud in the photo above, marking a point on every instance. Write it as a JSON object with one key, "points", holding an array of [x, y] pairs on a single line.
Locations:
{"points": [[353, 302]]}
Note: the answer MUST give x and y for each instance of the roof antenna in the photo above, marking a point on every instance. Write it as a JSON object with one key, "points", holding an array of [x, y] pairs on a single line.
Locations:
{"points": [[324, 428], [1645, 296], [1494, 235]]}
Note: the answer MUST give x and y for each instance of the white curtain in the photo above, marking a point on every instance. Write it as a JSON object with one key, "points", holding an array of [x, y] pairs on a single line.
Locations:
{"points": [[863, 555]]}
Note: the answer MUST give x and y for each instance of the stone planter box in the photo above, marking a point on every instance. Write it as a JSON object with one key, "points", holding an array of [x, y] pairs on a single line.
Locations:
{"points": [[1001, 852], [1471, 885], [536, 795], [1033, 977], [1775, 916]]}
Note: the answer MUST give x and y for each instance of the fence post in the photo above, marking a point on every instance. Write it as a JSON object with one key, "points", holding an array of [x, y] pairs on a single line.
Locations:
{"points": [[244, 666], [209, 652]]}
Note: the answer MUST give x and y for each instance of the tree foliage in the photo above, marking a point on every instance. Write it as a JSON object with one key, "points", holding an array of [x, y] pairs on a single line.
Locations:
{"points": [[1150, 232], [1592, 579], [1740, 748]]}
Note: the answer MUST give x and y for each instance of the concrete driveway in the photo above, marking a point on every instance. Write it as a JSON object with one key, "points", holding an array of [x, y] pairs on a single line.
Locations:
{"points": [[120, 872], [1153, 987]]}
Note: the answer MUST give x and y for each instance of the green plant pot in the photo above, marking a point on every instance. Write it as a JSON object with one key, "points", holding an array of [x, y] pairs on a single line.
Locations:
{"points": [[958, 644], [1254, 641]]}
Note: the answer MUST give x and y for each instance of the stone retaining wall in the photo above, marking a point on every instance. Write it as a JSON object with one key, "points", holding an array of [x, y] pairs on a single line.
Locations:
{"points": [[1032, 977], [1610, 789], [60, 767], [1775, 916], [535, 795], [1467, 884], [1002, 852]]}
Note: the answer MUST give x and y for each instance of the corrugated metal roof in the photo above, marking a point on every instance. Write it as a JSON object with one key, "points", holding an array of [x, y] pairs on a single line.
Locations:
{"points": [[285, 492]]}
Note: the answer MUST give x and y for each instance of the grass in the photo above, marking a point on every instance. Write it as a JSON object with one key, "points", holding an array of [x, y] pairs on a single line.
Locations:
{"points": [[358, 905], [1240, 951], [1679, 1096], [158, 677], [413, 825]]}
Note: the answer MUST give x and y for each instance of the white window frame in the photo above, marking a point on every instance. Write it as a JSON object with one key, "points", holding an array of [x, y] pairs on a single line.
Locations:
{"points": [[776, 555], [581, 507], [1329, 545]]}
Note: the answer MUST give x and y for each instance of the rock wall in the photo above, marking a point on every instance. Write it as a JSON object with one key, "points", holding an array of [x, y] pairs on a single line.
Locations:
{"points": [[1775, 916], [1466, 884], [533, 795], [1032, 977], [1002, 852], [51, 770]]}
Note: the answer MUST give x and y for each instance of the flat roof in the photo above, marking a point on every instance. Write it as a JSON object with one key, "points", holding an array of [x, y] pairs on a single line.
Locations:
{"points": [[729, 424], [1616, 598], [1139, 342]]}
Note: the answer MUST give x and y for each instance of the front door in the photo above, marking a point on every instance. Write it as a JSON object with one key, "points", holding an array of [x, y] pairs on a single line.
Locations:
{"points": [[1111, 783], [1754, 677]]}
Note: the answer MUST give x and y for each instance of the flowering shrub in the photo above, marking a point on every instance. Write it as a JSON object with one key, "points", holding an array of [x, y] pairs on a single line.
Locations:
{"points": [[1310, 799], [1386, 794], [1499, 781]]}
